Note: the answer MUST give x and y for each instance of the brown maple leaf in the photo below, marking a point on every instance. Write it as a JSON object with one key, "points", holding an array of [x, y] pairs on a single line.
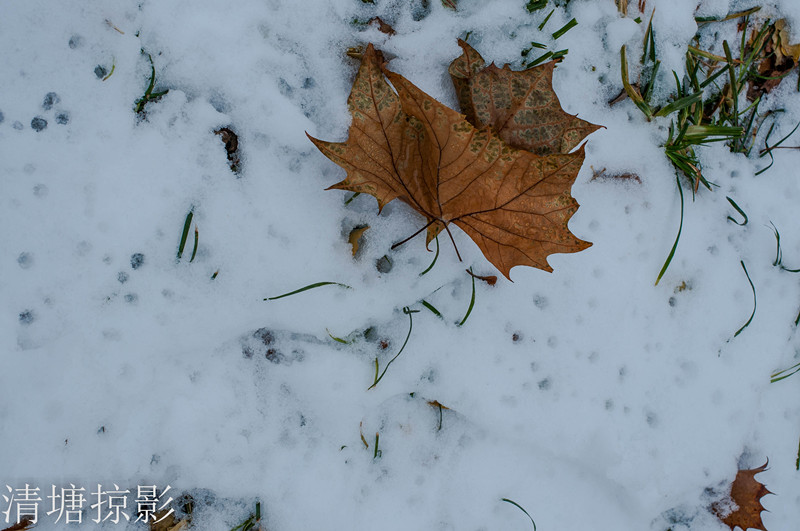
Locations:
{"points": [[746, 494], [514, 204], [520, 106]]}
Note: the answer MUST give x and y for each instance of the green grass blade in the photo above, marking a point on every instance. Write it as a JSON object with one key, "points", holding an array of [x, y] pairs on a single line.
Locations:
{"points": [[649, 42], [535, 5], [785, 373], [565, 28], [377, 452], [433, 310], [739, 210], [754, 301], [471, 301], [768, 149], [518, 506], [632, 93], [651, 82], [677, 238], [349, 199], [734, 82], [703, 20], [542, 58], [338, 339], [680, 103], [408, 312], [699, 134], [537, 45], [435, 257], [541, 26], [306, 288], [113, 67], [152, 84], [185, 234], [778, 252], [713, 77], [194, 248], [797, 463]]}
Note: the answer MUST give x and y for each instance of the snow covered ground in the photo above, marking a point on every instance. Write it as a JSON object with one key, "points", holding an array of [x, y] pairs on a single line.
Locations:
{"points": [[589, 396]]}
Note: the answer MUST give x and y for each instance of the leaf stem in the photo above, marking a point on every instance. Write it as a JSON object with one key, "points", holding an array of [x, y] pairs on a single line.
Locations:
{"points": [[398, 244]]}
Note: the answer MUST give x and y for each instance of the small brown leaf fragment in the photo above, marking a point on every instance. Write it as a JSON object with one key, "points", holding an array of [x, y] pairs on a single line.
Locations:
{"points": [[435, 403], [231, 141], [745, 495], [167, 522], [383, 27], [26, 522], [355, 237], [520, 106], [515, 205], [489, 279]]}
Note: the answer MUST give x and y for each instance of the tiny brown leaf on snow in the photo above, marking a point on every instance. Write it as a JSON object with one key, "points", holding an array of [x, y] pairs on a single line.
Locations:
{"points": [[746, 494], [26, 522], [355, 237], [515, 205], [520, 106], [382, 26]]}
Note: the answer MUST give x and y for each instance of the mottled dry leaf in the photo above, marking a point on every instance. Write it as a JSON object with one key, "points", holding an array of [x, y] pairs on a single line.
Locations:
{"points": [[520, 106], [746, 494], [406, 145], [779, 58]]}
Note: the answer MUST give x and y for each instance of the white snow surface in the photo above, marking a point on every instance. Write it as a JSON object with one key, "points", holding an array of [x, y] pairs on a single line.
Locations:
{"points": [[589, 396]]}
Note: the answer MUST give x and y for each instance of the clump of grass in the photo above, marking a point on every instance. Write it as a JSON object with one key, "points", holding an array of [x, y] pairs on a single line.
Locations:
{"points": [[149, 95], [552, 55], [252, 522], [705, 105]]}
